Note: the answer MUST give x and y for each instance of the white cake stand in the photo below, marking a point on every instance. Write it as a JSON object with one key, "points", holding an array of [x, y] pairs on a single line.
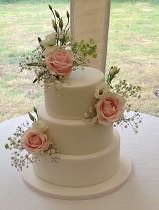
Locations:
{"points": [[83, 193]]}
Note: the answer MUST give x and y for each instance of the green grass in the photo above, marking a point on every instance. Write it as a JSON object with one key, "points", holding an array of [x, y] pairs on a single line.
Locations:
{"points": [[19, 33], [133, 46]]}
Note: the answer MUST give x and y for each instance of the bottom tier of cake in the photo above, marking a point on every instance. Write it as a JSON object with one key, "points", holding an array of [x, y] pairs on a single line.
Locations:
{"points": [[81, 193], [81, 170]]}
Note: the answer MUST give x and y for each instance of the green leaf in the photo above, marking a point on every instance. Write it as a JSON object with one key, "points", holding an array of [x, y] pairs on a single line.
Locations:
{"points": [[31, 117], [61, 24], [6, 146], [57, 14], [39, 39], [54, 25], [67, 14], [35, 110], [50, 7]]}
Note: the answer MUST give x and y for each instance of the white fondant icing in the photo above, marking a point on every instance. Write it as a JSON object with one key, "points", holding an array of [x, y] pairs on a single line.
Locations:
{"points": [[76, 97], [88, 155], [81, 170], [81, 193], [75, 136]]}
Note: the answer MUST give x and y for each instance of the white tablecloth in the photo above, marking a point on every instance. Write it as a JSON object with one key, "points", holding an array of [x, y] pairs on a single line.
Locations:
{"points": [[141, 192]]}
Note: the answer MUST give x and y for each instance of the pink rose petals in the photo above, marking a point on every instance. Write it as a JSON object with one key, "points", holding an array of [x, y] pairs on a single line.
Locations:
{"points": [[110, 108], [60, 62]]}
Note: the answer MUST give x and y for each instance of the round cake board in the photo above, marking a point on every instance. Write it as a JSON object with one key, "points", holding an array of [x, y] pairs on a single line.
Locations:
{"points": [[81, 193]]}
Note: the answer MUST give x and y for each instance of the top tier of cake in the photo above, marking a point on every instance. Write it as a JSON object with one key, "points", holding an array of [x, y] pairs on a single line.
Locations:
{"points": [[76, 95]]}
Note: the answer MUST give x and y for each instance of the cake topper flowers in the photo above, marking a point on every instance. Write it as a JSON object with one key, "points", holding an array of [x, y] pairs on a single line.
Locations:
{"points": [[58, 54]]}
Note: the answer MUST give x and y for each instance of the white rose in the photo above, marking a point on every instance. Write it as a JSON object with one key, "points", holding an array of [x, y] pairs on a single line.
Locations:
{"points": [[40, 126], [101, 90], [50, 39], [50, 50]]}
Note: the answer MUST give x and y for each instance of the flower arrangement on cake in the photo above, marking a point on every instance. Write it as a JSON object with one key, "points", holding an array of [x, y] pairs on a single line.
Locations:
{"points": [[30, 142], [113, 101], [58, 54], [53, 61]]}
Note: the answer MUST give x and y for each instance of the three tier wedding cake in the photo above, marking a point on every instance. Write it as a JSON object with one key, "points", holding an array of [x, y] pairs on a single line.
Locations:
{"points": [[72, 148]]}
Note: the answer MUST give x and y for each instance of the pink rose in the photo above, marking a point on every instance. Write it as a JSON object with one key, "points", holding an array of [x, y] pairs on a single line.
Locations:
{"points": [[34, 141], [60, 62], [110, 108]]}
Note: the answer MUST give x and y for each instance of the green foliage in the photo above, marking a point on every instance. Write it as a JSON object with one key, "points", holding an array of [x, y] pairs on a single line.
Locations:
{"points": [[36, 112], [112, 73], [127, 90], [58, 25], [83, 50], [122, 87], [6, 146], [31, 117]]}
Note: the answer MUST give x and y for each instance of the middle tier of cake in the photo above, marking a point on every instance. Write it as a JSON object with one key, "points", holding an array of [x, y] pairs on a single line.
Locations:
{"points": [[75, 137]]}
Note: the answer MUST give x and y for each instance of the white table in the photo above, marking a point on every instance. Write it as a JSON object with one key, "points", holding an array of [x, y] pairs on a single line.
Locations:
{"points": [[141, 192]]}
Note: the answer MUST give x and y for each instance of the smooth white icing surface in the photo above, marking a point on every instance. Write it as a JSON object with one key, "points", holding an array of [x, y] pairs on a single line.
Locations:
{"points": [[75, 136], [81, 193], [88, 155], [75, 97], [81, 170]]}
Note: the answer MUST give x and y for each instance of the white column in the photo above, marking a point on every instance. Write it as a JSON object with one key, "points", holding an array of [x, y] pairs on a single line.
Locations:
{"points": [[90, 19]]}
